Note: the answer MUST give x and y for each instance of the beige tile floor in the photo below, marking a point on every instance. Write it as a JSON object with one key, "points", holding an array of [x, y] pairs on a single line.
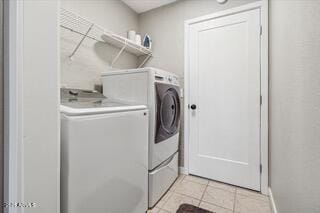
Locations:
{"points": [[213, 196]]}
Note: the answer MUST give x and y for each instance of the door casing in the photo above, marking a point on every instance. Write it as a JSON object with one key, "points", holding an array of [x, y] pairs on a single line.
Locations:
{"points": [[263, 6]]}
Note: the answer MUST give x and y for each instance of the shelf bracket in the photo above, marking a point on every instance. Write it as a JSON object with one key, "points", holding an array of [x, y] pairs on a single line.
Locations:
{"points": [[118, 55], [145, 60], [81, 41]]}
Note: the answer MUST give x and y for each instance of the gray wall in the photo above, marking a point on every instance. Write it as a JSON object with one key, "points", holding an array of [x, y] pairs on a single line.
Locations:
{"points": [[40, 107], [93, 57], [295, 105], [166, 27]]}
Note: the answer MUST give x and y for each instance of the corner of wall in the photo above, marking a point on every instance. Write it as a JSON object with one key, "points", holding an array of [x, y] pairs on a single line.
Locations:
{"points": [[272, 202]]}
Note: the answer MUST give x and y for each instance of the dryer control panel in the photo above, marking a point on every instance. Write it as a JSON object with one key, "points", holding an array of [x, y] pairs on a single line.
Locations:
{"points": [[170, 79]]}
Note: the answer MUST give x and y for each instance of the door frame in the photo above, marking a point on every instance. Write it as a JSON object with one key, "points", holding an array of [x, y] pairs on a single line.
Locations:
{"points": [[263, 6], [13, 117]]}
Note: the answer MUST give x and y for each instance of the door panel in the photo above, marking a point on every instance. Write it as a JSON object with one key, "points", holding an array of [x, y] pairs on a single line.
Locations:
{"points": [[225, 86]]}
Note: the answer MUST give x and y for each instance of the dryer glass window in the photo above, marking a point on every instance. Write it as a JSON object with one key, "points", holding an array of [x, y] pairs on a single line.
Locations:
{"points": [[168, 111]]}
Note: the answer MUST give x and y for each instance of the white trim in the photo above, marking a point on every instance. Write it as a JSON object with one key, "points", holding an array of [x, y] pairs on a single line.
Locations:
{"points": [[263, 5], [182, 170], [273, 204], [227, 12], [13, 70], [264, 134], [186, 98], [13, 100], [58, 112]]}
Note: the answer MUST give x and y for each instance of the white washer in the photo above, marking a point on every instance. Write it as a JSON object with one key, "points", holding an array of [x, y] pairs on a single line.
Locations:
{"points": [[104, 161], [160, 91]]}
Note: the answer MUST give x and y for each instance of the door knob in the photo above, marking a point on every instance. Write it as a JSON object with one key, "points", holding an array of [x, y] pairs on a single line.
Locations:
{"points": [[193, 106]]}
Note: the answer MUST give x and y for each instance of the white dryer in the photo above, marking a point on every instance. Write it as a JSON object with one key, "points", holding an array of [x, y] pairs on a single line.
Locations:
{"points": [[103, 154], [160, 91]]}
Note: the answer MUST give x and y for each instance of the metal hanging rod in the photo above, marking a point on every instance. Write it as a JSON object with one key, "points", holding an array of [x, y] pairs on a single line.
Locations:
{"points": [[82, 39]]}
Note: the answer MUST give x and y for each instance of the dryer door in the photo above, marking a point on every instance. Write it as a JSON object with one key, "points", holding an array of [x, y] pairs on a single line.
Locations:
{"points": [[168, 111]]}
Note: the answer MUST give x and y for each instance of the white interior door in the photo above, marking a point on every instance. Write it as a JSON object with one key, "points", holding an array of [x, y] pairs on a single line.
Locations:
{"points": [[224, 62]]}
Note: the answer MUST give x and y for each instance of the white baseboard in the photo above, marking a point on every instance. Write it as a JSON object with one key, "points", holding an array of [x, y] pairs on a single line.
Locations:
{"points": [[273, 204], [182, 170]]}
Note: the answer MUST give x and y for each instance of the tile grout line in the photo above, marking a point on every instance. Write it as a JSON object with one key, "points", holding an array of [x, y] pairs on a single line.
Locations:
{"points": [[196, 182], [229, 185], [183, 176], [161, 208], [176, 181], [222, 189], [214, 204], [205, 189], [207, 185], [172, 192], [225, 184], [179, 193], [235, 200], [253, 195], [217, 204], [201, 199]]}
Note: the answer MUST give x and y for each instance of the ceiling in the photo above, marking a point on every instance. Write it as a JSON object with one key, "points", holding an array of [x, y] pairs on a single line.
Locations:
{"points": [[141, 6]]}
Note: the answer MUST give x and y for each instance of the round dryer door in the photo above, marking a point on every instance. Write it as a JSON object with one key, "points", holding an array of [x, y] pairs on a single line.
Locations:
{"points": [[168, 111]]}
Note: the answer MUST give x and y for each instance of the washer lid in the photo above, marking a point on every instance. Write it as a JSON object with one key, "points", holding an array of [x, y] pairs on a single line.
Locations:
{"points": [[93, 104], [97, 107]]}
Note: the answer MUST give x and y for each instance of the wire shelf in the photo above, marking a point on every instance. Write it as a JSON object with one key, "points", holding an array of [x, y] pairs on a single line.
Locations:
{"points": [[87, 29], [80, 25]]}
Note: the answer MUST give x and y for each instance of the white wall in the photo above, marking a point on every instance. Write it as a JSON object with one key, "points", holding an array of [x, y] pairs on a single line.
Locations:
{"points": [[40, 99], [295, 105], [166, 27], [94, 57]]}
